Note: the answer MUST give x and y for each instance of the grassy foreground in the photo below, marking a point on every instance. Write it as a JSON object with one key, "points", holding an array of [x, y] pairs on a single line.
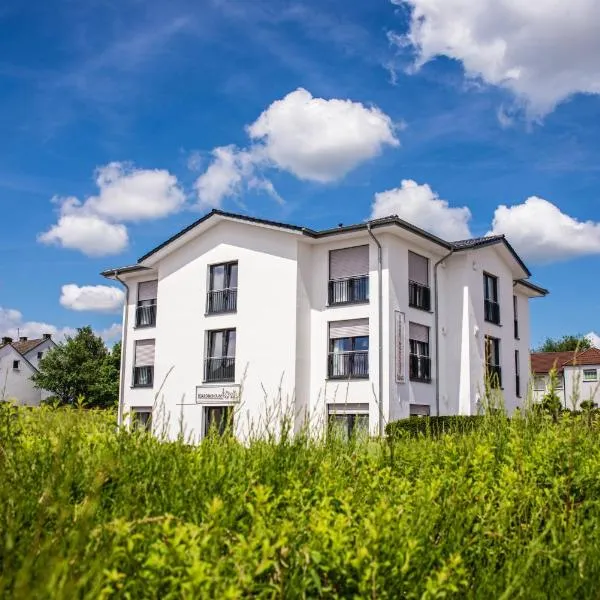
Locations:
{"points": [[511, 510]]}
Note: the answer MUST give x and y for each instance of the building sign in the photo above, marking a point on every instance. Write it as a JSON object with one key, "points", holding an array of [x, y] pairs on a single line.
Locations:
{"points": [[210, 394], [399, 319]]}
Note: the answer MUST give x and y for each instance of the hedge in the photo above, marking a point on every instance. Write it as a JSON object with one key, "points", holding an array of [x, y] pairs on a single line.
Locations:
{"points": [[434, 426]]}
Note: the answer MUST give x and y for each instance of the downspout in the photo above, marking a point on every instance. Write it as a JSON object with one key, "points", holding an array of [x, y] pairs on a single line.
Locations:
{"points": [[380, 323], [437, 330], [123, 349]]}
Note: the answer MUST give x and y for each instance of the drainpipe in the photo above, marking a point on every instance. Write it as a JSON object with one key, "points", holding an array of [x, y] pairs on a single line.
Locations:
{"points": [[380, 323], [123, 349], [437, 330]]}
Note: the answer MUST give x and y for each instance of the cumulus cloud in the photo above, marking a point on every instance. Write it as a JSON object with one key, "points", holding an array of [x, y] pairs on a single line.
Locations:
{"points": [[314, 139], [421, 206], [13, 325], [98, 298], [541, 232], [95, 226], [542, 51]]}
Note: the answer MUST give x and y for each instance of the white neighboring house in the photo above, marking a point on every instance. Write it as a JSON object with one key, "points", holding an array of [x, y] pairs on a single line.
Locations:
{"points": [[18, 362], [361, 324], [578, 376]]}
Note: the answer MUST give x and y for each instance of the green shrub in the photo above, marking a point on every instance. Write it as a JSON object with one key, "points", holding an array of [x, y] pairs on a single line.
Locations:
{"points": [[434, 426]]}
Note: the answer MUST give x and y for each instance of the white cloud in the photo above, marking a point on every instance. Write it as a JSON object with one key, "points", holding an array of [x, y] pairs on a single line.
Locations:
{"points": [[90, 234], [321, 140], [542, 233], [99, 298], [421, 206], [594, 339], [125, 194], [13, 325], [312, 138], [543, 51]]}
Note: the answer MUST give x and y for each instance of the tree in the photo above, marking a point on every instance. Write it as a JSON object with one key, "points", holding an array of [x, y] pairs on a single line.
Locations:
{"points": [[567, 343], [81, 367]]}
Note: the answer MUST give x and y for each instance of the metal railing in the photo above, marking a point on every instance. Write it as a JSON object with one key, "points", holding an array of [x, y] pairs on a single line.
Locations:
{"points": [[219, 369], [494, 375], [492, 311], [348, 365], [419, 368], [221, 301], [419, 295], [347, 291], [143, 376], [145, 315]]}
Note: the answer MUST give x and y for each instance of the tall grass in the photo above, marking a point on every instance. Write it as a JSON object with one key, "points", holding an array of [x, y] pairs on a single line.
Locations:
{"points": [[86, 511]]}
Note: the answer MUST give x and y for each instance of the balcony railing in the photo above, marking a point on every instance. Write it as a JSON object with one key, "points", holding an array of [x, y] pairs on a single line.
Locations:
{"points": [[494, 375], [419, 295], [492, 311], [349, 365], [350, 290], [219, 369], [145, 315], [419, 368], [143, 376], [221, 301]]}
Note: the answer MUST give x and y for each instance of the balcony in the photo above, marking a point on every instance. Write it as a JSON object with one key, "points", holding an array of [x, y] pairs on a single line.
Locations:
{"points": [[419, 368], [348, 365], [349, 291], [492, 312], [143, 376], [145, 315], [419, 295], [494, 375], [219, 369], [221, 301]]}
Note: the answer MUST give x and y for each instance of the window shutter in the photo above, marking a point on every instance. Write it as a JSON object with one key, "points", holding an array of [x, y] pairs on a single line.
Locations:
{"points": [[147, 290], [418, 268], [348, 409], [349, 262], [349, 328], [144, 353], [419, 333]]}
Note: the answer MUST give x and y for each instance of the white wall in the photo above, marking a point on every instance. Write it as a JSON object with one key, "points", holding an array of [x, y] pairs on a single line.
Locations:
{"points": [[16, 384]]}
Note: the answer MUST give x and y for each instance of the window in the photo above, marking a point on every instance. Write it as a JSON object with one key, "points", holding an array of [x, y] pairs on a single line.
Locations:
{"points": [[40, 355], [516, 316], [419, 361], [141, 419], [222, 288], [348, 420], [220, 361], [517, 375], [217, 419], [348, 349], [349, 275], [590, 375], [491, 306], [419, 294], [16, 365], [539, 383], [419, 410], [145, 314], [492, 361], [143, 370]]}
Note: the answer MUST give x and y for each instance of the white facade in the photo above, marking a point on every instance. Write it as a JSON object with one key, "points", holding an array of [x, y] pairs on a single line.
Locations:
{"points": [[284, 358], [18, 362]]}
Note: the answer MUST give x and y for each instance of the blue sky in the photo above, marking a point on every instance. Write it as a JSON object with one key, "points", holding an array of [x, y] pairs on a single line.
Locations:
{"points": [[126, 101]]}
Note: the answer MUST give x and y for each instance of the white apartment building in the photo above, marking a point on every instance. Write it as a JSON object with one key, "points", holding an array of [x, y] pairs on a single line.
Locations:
{"points": [[19, 360], [244, 318], [577, 376]]}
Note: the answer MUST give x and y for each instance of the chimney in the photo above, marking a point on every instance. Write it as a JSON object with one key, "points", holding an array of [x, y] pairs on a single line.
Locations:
{"points": [[47, 336], [6, 340], [22, 339]]}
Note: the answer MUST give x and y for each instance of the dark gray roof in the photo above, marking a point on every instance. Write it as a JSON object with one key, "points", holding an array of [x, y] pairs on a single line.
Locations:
{"points": [[375, 223], [532, 286]]}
